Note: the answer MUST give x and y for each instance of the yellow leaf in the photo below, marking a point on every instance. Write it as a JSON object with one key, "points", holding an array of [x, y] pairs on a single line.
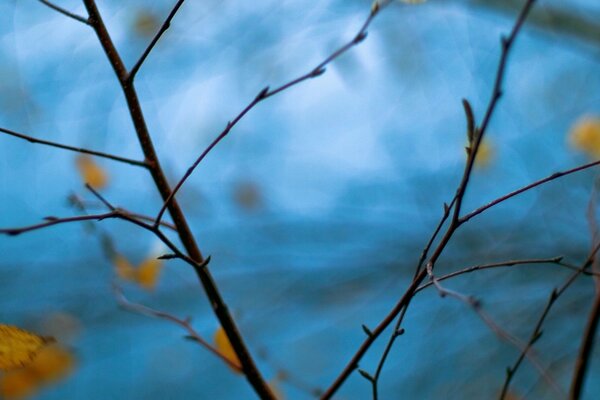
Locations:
{"points": [[485, 154], [52, 364], [123, 268], [19, 347], [18, 384], [224, 347], [148, 272], [585, 136], [90, 172]]}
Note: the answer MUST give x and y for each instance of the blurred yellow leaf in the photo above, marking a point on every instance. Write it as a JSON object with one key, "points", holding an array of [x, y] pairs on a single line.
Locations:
{"points": [[223, 344], [145, 23], [18, 384], [91, 173], [247, 195], [585, 135], [148, 272], [485, 154], [123, 268], [19, 347], [52, 364]]}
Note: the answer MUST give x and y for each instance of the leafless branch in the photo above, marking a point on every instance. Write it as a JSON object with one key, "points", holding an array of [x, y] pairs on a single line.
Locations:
{"points": [[155, 39], [455, 221], [75, 149], [265, 94], [184, 323], [65, 12]]}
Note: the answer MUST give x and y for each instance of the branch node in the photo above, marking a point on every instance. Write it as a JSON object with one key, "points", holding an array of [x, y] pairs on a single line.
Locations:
{"points": [[366, 375], [367, 331]]}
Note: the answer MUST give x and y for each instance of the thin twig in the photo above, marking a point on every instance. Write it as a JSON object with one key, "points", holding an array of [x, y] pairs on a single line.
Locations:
{"points": [[475, 305], [75, 149], [265, 94], [537, 331], [455, 222], [155, 39], [585, 349], [540, 182], [184, 323], [219, 307], [65, 12]]}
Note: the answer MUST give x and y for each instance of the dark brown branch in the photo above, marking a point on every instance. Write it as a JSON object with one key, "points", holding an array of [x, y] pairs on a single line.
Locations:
{"points": [[184, 323], [218, 305], [155, 40], [455, 222], [75, 149], [65, 12], [265, 94], [585, 349]]}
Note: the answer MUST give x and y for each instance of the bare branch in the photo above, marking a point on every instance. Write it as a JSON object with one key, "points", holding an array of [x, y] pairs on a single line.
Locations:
{"points": [[550, 178], [155, 39], [65, 12], [184, 323], [585, 349], [75, 149], [265, 94], [219, 307], [455, 222]]}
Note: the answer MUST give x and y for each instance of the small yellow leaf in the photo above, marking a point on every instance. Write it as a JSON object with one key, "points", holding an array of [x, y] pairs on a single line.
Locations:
{"points": [[19, 347], [123, 268], [90, 172], [223, 344], [485, 154], [585, 136], [148, 272]]}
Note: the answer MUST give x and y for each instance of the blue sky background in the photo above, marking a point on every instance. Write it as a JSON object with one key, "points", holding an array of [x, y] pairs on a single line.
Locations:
{"points": [[349, 173]]}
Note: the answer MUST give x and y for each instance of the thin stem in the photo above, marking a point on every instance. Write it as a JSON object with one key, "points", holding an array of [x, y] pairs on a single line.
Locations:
{"points": [[184, 323], [537, 331], [540, 182], [265, 94], [75, 149], [217, 303], [455, 222], [155, 40], [65, 12], [585, 349]]}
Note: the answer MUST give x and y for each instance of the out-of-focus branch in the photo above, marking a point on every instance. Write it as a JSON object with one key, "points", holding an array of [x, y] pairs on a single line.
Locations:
{"points": [[31, 139], [184, 323]]}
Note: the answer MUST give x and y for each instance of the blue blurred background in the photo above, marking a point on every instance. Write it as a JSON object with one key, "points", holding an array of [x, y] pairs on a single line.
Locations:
{"points": [[316, 207]]}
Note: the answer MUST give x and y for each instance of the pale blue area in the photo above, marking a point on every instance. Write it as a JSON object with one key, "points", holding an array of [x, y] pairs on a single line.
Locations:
{"points": [[352, 169]]}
